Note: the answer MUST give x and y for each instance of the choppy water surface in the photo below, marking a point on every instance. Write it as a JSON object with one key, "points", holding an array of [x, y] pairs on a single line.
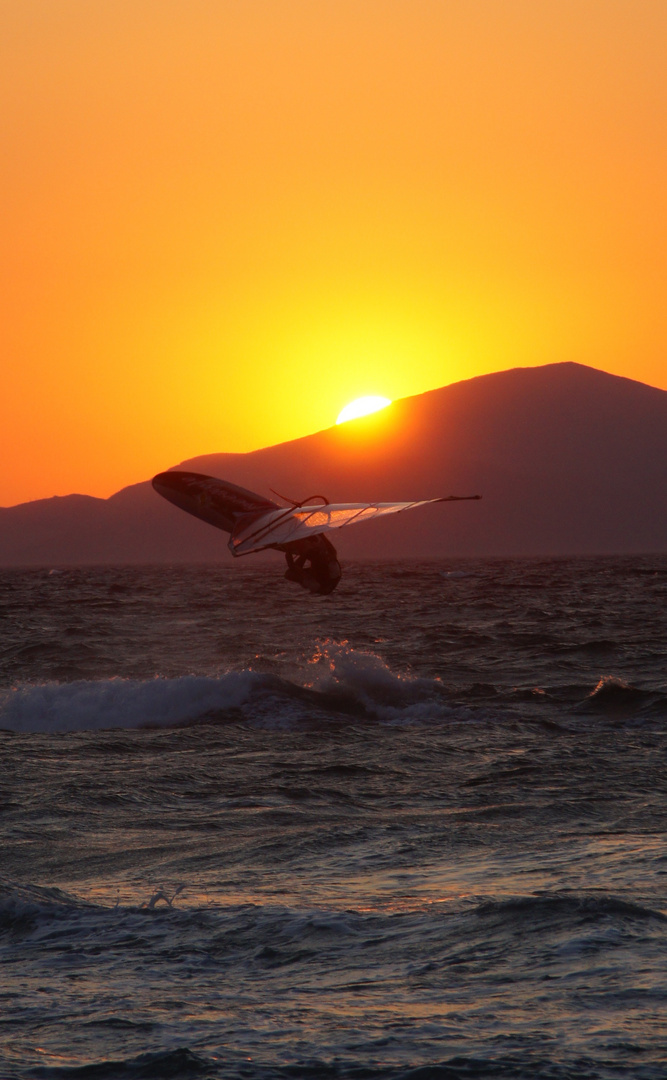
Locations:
{"points": [[413, 829]]}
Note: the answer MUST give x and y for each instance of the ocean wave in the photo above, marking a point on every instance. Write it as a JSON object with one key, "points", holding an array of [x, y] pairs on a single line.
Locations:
{"points": [[184, 1064], [364, 678], [335, 684], [617, 698], [181, 1064], [26, 909], [558, 908], [332, 684], [89, 705], [261, 953]]}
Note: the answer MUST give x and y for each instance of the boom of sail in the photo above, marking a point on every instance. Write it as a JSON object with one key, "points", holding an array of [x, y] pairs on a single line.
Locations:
{"points": [[279, 527]]}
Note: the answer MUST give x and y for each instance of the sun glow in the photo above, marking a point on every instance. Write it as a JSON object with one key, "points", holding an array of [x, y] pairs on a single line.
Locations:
{"points": [[362, 407]]}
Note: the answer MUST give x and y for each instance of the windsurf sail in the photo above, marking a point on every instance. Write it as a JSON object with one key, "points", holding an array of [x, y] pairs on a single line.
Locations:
{"points": [[215, 501], [255, 532]]}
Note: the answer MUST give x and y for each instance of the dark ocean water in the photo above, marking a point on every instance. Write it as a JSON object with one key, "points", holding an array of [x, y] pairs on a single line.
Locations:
{"points": [[413, 829]]}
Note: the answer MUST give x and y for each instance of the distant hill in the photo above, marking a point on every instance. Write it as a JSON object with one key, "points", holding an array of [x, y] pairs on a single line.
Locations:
{"points": [[568, 459]]}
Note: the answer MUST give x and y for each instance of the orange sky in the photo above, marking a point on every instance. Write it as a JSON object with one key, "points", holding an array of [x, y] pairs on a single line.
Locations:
{"points": [[225, 219]]}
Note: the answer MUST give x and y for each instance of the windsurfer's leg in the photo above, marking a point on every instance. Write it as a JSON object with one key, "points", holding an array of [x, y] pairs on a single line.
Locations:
{"points": [[327, 571], [292, 573], [318, 571], [297, 570]]}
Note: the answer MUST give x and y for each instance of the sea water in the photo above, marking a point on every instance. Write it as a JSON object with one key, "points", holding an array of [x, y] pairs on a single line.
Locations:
{"points": [[412, 829]]}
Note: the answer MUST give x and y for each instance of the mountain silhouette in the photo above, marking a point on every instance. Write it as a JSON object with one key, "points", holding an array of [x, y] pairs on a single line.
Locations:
{"points": [[569, 460]]}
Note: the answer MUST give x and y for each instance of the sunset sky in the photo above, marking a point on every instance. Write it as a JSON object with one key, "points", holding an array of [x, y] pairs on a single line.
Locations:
{"points": [[225, 219]]}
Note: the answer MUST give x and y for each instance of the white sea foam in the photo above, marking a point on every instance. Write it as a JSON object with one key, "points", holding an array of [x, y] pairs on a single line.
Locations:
{"points": [[335, 670], [386, 695], [338, 667], [121, 703]]}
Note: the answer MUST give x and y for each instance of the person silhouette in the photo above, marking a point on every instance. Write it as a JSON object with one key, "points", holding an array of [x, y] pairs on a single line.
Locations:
{"points": [[313, 564]]}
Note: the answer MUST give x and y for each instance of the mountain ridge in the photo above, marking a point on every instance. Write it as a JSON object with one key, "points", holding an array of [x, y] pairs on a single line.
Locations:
{"points": [[569, 460]]}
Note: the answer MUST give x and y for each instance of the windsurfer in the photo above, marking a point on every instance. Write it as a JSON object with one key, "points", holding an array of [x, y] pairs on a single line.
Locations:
{"points": [[313, 564]]}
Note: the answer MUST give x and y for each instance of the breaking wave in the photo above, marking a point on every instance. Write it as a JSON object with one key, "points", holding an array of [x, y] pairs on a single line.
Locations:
{"points": [[336, 683], [120, 703]]}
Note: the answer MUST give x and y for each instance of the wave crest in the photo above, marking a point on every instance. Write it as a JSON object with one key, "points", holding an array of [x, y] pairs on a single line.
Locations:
{"points": [[122, 703], [334, 682]]}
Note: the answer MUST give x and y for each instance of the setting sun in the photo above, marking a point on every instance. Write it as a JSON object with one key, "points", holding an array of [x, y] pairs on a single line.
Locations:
{"points": [[223, 219], [362, 407]]}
